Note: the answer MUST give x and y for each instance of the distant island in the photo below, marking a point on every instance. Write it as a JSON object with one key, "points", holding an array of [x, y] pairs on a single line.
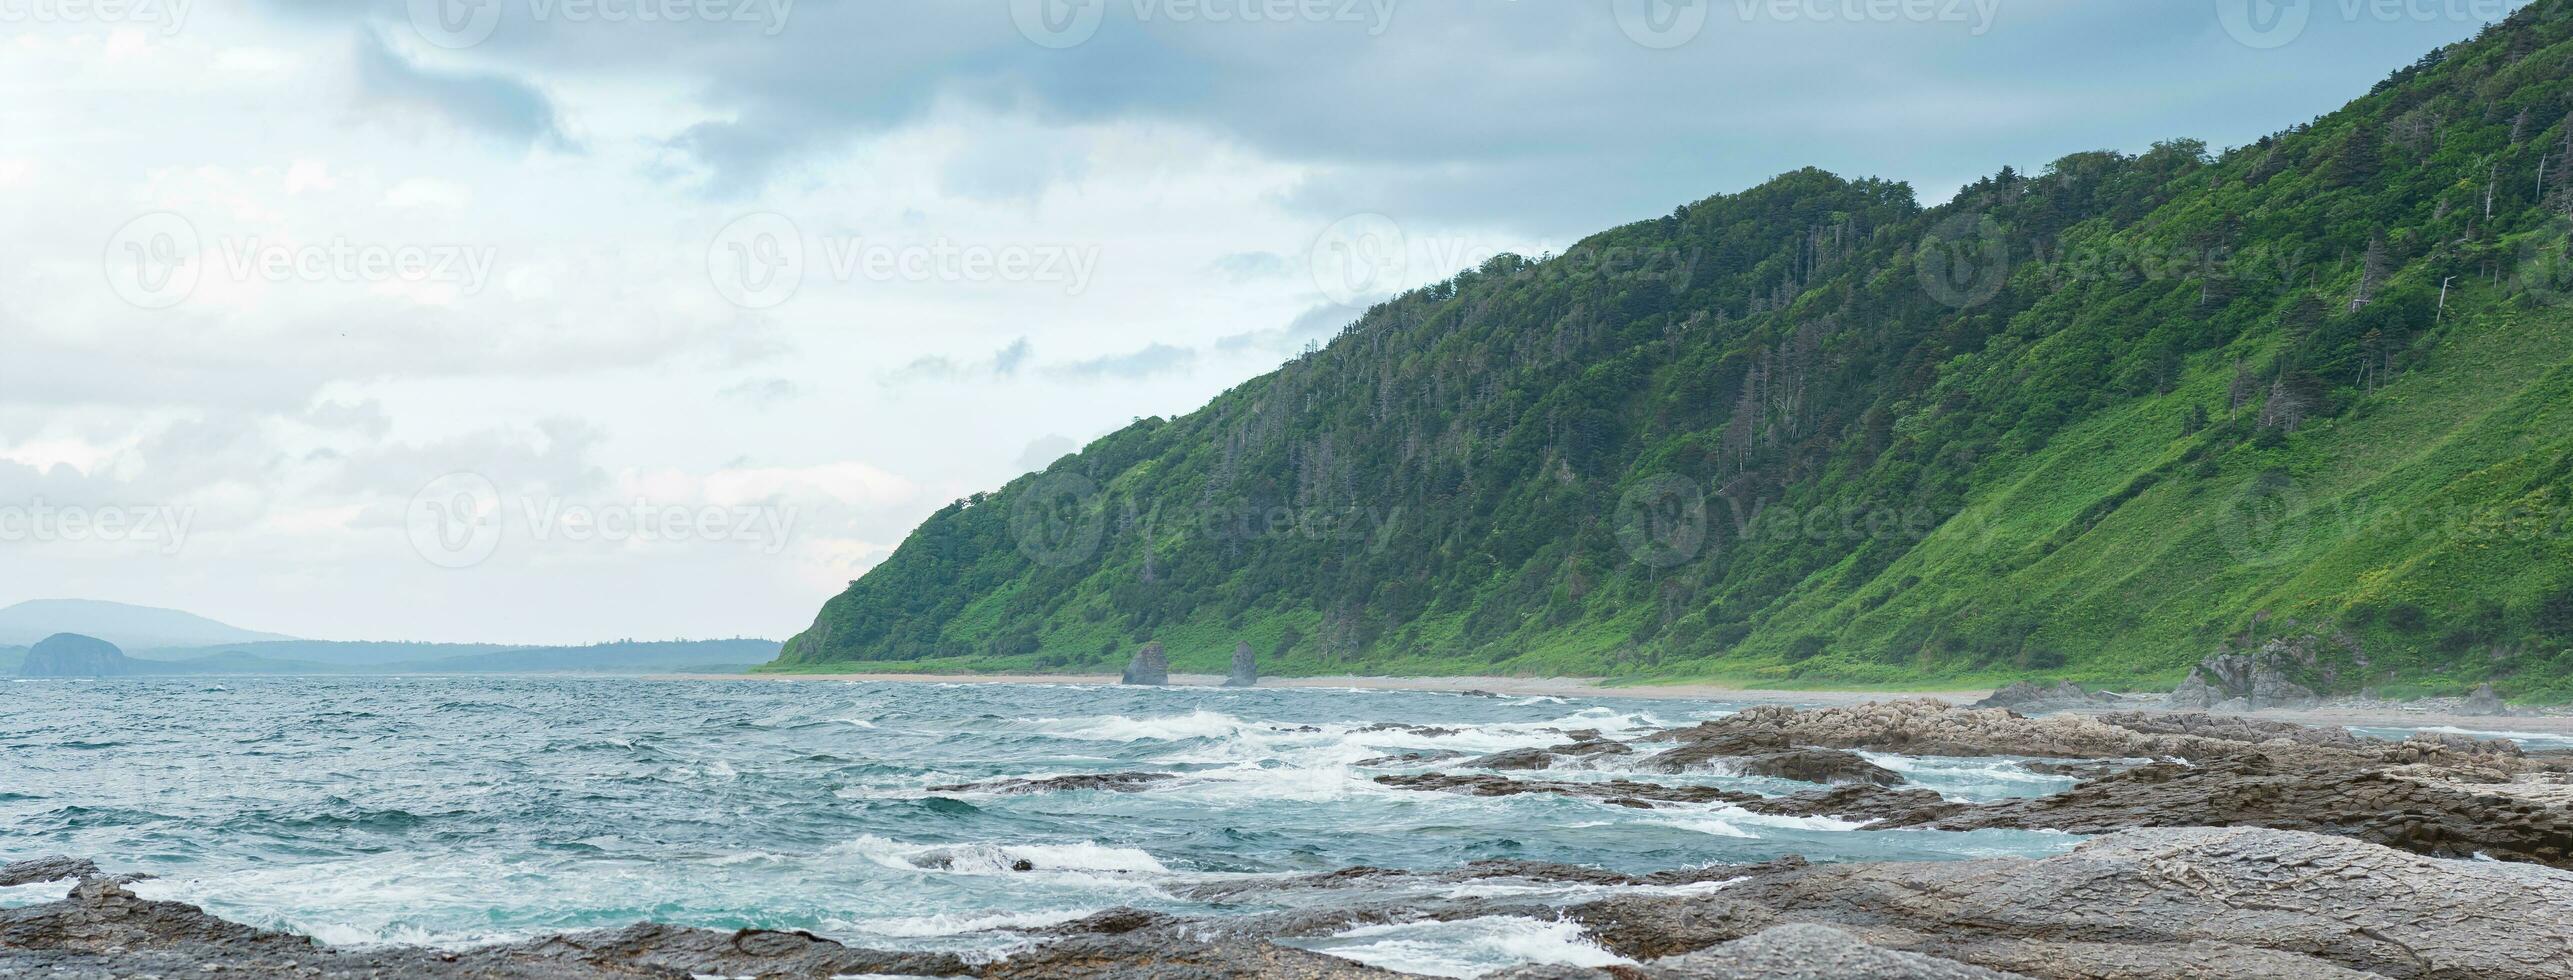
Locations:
{"points": [[80, 638]]}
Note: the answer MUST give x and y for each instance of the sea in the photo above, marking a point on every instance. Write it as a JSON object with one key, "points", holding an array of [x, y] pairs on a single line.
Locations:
{"points": [[454, 811]]}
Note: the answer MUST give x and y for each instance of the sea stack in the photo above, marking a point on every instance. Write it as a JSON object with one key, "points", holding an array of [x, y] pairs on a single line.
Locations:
{"points": [[1246, 667], [74, 655], [1149, 666]]}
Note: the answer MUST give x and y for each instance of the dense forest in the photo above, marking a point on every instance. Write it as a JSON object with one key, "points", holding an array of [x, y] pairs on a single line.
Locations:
{"points": [[2093, 422]]}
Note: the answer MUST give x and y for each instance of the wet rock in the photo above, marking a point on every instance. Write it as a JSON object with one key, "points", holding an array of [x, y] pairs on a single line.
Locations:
{"points": [[1819, 766], [1150, 666], [1512, 759], [1114, 782], [1246, 667], [725, 953], [1861, 802], [1421, 757], [2425, 810], [2484, 703], [56, 868], [1152, 956], [2032, 696], [1619, 791], [1425, 731]]}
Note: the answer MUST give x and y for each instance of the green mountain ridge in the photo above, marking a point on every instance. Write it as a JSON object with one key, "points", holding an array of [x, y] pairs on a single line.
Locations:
{"points": [[2092, 423]]}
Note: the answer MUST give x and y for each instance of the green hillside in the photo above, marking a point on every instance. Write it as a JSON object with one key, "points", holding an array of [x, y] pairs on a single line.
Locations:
{"points": [[2090, 423]]}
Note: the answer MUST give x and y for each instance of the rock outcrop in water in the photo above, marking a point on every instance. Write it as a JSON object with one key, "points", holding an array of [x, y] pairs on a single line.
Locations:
{"points": [[1150, 666], [74, 655], [1246, 667]]}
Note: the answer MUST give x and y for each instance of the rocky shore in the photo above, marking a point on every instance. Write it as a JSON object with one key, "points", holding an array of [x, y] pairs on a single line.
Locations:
{"points": [[2224, 846]]}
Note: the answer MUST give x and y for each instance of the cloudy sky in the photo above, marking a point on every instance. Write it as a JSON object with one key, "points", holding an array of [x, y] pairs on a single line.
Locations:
{"points": [[569, 320]]}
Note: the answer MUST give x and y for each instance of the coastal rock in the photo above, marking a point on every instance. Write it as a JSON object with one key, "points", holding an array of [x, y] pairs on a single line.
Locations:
{"points": [[1800, 951], [2484, 703], [1246, 667], [37, 870], [2233, 729], [1546, 757], [2260, 679], [102, 930], [1806, 765], [74, 655], [1116, 782], [2414, 811], [2151, 903], [2032, 696], [1927, 727], [1150, 666]]}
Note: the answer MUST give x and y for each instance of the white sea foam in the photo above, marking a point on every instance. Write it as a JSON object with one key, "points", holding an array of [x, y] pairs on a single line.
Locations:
{"points": [[959, 924], [998, 859], [1467, 947]]}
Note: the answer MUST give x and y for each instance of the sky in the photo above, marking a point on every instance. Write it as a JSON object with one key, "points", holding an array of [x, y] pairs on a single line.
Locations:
{"points": [[557, 321]]}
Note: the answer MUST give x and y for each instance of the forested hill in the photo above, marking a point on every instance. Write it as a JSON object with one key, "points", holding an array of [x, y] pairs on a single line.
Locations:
{"points": [[2093, 422]]}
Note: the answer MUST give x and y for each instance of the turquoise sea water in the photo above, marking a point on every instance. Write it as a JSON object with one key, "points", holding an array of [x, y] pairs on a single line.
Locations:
{"points": [[457, 810]]}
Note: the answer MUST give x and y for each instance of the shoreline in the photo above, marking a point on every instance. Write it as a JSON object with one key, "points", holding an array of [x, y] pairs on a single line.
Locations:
{"points": [[2327, 715], [1584, 687]]}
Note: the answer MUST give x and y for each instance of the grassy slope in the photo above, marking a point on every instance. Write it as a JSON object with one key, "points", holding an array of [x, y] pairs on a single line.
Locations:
{"points": [[2084, 531]]}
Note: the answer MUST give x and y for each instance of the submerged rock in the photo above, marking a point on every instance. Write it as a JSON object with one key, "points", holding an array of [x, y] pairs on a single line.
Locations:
{"points": [[1117, 782], [1150, 666], [1246, 667]]}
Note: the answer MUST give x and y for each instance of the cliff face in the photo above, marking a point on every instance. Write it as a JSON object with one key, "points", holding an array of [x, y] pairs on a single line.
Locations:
{"points": [[2088, 422], [74, 655]]}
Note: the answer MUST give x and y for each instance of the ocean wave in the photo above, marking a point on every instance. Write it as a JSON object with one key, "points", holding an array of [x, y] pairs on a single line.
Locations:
{"points": [[947, 924], [1467, 947], [1001, 859]]}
